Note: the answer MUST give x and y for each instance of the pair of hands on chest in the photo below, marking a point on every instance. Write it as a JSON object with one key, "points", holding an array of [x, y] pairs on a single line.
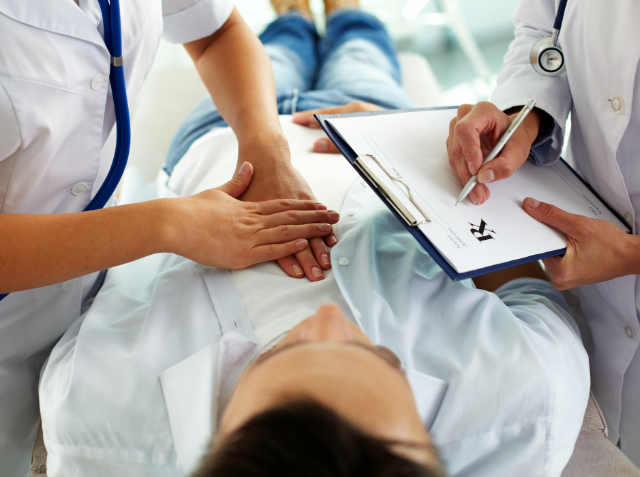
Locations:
{"points": [[275, 213]]}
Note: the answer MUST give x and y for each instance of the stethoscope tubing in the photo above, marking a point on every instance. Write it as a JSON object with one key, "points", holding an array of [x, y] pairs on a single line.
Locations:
{"points": [[557, 24], [113, 41]]}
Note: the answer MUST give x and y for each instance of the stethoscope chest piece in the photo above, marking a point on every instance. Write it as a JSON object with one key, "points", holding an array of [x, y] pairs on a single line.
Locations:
{"points": [[547, 58], [546, 54]]}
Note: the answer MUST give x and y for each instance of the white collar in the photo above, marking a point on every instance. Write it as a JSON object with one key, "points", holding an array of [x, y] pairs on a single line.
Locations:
{"points": [[192, 401], [63, 17]]}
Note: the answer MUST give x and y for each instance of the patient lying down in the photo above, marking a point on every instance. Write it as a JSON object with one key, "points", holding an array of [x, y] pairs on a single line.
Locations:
{"points": [[180, 368], [321, 386]]}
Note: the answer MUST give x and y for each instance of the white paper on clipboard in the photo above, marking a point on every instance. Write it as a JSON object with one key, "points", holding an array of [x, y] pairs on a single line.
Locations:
{"points": [[412, 145]]}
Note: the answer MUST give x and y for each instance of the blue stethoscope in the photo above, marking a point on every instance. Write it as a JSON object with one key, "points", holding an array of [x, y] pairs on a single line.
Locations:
{"points": [[546, 55], [113, 41]]}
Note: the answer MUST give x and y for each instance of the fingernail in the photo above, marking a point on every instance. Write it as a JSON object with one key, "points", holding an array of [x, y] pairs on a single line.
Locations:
{"points": [[316, 272], [334, 216], [320, 206], [472, 168], [324, 258], [532, 203], [244, 169], [324, 228], [486, 176], [296, 269], [332, 240], [321, 145], [301, 244], [473, 196]]}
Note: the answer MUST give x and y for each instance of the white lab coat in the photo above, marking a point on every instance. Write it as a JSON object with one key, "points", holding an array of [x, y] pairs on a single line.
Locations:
{"points": [[56, 146], [601, 43]]}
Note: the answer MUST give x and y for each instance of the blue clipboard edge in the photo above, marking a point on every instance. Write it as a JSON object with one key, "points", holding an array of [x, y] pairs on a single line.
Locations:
{"points": [[350, 155]]}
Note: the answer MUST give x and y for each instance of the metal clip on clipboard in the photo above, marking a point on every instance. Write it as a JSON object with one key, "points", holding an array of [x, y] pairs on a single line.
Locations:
{"points": [[386, 192]]}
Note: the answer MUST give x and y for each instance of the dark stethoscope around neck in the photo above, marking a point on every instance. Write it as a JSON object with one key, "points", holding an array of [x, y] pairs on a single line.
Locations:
{"points": [[546, 55], [113, 41]]}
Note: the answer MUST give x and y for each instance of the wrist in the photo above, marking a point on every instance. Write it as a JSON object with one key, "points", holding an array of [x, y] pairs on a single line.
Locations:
{"points": [[531, 124], [166, 217], [630, 252], [263, 148]]}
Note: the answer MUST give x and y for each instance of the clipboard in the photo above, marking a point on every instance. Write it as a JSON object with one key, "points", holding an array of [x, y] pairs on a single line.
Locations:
{"points": [[410, 221]]}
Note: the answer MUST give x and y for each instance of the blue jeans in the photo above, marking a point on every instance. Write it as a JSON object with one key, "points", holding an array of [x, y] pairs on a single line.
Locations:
{"points": [[355, 60]]}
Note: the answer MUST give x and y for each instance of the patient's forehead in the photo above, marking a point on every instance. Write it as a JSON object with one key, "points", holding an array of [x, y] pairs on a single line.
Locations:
{"points": [[355, 383]]}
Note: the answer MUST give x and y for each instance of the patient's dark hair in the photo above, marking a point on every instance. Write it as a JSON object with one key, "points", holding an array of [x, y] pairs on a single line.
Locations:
{"points": [[305, 439]]}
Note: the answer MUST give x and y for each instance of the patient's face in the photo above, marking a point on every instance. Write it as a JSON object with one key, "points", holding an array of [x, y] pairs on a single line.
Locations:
{"points": [[330, 360]]}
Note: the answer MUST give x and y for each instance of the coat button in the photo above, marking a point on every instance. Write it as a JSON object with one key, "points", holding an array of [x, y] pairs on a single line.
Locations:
{"points": [[79, 189], [69, 285], [97, 81], [630, 332], [617, 104], [628, 216], [343, 262]]}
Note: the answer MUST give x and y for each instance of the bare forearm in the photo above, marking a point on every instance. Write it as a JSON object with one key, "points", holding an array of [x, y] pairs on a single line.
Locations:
{"points": [[38, 250], [237, 72]]}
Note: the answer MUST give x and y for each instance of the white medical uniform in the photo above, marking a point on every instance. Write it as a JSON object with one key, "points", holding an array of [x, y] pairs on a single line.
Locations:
{"points": [[601, 90], [57, 140], [501, 381]]}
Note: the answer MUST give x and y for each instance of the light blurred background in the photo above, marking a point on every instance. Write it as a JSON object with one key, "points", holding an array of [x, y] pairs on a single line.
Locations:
{"points": [[463, 40]]}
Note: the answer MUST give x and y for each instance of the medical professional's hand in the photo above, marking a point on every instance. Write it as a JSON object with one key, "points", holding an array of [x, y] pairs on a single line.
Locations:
{"points": [[324, 144], [472, 135], [216, 229], [597, 250], [275, 178]]}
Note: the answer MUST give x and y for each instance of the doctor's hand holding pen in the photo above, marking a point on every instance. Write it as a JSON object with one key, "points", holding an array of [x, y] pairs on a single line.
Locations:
{"points": [[596, 249], [213, 228], [474, 132]]}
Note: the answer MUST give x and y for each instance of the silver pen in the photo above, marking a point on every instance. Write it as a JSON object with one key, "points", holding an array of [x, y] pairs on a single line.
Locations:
{"points": [[496, 150]]}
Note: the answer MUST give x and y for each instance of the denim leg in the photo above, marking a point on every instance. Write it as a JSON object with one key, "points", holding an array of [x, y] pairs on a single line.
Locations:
{"points": [[292, 44], [358, 59]]}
